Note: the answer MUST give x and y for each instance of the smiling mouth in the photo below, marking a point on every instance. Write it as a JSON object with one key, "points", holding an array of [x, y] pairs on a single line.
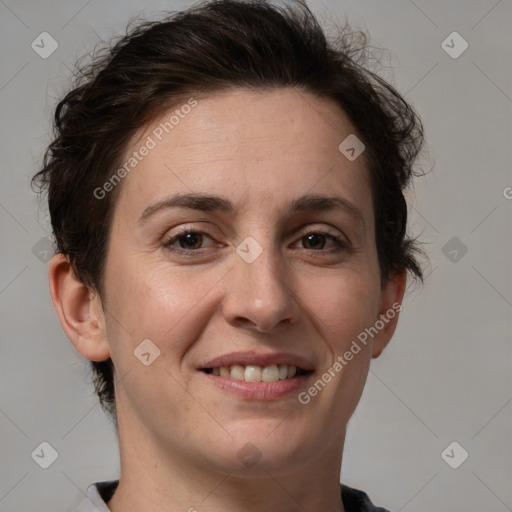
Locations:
{"points": [[254, 373]]}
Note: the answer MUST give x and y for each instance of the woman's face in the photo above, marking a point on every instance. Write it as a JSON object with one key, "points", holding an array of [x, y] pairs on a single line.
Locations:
{"points": [[260, 281]]}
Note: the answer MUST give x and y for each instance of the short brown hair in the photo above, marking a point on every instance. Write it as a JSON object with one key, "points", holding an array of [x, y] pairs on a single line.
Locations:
{"points": [[215, 46]]}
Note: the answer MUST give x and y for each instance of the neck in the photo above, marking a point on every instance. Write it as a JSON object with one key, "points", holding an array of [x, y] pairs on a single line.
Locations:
{"points": [[154, 478]]}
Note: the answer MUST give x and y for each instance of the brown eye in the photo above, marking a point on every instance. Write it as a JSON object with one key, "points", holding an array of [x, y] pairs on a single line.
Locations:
{"points": [[313, 240], [316, 240], [188, 241]]}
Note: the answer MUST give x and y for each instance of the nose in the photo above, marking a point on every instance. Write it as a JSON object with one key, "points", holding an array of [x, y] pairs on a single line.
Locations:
{"points": [[260, 295]]}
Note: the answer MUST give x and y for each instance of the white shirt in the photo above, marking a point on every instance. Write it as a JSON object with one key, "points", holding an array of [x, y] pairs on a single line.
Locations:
{"points": [[98, 494]]}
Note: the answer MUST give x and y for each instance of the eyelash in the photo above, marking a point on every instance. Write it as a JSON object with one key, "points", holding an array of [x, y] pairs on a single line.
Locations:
{"points": [[168, 244]]}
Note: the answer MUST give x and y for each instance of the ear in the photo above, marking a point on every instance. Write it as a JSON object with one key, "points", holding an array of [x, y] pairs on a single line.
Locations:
{"points": [[391, 304], [79, 310]]}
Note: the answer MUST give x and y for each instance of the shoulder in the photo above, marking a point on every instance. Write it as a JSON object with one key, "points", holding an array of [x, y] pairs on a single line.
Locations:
{"points": [[355, 500]]}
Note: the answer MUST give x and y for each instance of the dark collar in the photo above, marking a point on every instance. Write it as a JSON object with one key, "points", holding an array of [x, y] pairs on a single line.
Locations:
{"points": [[353, 500]]}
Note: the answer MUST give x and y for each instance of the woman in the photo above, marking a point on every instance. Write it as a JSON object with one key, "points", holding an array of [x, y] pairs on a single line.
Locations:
{"points": [[226, 194]]}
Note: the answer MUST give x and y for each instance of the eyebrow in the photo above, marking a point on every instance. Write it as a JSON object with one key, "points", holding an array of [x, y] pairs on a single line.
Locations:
{"points": [[210, 203]]}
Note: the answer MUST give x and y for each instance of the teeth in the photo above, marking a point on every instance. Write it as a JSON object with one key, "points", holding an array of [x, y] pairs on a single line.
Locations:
{"points": [[237, 372], [253, 373], [270, 374]]}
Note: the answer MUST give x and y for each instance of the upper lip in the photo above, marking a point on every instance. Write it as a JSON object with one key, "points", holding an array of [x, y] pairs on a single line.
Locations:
{"points": [[248, 358]]}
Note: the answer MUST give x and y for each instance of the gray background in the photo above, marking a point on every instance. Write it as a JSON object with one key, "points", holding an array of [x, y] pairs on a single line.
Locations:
{"points": [[446, 376]]}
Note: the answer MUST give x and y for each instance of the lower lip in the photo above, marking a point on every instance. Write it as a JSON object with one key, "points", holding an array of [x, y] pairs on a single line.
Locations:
{"points": [[258, 390]]}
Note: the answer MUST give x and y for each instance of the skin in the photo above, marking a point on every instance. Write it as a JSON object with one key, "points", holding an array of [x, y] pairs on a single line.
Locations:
{"points": [[179, 434]]}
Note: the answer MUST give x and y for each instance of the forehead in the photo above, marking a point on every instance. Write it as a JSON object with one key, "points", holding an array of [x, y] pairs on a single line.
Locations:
{"points": [[259, 145]]}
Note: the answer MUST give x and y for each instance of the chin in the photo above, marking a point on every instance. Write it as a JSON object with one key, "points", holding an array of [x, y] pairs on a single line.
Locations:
{"points": [[260, 447]]}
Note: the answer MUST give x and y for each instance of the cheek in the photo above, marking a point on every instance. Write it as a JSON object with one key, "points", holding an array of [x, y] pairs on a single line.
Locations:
{"points": [[345, 302], [159, 302]]}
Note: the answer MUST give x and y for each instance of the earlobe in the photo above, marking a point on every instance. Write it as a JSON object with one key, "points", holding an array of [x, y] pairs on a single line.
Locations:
{"points": [[79, 310], [391, 304]]}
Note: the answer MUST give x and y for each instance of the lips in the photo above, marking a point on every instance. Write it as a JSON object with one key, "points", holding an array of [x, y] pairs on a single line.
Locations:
{"points": [[257, 359], [257, 369]]}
